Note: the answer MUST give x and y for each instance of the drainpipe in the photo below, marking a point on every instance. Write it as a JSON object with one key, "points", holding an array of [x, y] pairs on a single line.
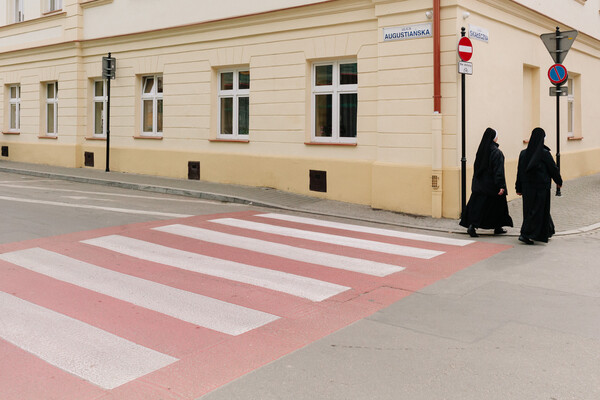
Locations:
{"points": [[436, 122], [437, 96]]}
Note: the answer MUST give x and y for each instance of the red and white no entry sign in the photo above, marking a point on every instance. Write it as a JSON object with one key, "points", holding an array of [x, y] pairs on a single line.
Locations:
{"points": [[465, 48]]}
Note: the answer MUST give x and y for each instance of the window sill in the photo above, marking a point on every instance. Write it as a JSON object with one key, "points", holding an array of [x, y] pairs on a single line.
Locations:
{"points": [[95, 138], [330, 144], [12, 133], [149, 137], [574, 138], [94, 3], [52, 12], [230, 140], [48, 137]]}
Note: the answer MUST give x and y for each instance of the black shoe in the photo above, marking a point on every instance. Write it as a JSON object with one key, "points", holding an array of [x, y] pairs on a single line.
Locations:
{"points": [[525, 240], [471, 231], [499, 231]]}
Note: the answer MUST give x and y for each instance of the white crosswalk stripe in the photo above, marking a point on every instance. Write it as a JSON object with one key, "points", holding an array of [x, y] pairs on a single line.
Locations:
{"points": [[73, 346], [194, 308], [367, 229], [300, 286], [281, 250], [332, 239]]}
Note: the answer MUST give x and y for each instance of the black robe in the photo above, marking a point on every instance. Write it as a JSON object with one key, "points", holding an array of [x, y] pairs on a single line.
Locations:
{"points": [[534, 184], [486, 209]]}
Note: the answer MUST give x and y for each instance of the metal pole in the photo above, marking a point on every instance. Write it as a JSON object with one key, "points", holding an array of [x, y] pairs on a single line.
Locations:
{"points": [[558, 193], [108, 123], [558, 139], [463, 160]]}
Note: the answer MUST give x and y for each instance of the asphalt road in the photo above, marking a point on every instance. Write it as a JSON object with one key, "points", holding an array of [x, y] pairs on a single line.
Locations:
{"points": [[521, 324]]}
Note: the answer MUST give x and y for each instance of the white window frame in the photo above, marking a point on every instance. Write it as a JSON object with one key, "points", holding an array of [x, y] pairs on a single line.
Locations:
{"points": [[104, 101], [14, 101], [235, 93], [18, 8], [155, 96], [336, 89], [53, 101], [571, 107], [53, 5]]}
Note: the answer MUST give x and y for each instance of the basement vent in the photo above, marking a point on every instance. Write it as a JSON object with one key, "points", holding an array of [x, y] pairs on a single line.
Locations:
{"points": [[4, 151], [88, 159], [318, 181], [194, 170]]}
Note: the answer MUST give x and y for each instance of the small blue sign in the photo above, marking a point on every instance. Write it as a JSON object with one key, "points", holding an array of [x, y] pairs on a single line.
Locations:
{"points": [[557, 74]]}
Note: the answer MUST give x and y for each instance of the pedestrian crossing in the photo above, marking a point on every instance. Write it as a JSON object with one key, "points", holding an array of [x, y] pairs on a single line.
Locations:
{"points": [[270, 271]]}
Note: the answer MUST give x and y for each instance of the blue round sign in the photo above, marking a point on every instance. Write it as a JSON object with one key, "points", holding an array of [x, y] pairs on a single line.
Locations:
{"points": [[557, 74]]}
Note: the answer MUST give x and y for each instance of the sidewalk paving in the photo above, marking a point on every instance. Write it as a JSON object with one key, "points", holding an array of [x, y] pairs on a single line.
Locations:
{"points": [[576, 211]]}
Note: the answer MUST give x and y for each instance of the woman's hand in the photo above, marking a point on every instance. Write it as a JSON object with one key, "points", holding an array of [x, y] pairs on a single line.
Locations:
{"points": [[501, 192]]}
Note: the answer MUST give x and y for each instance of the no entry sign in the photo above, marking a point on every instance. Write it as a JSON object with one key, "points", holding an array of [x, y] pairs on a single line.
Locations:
{"points": [[465, 48], [557, 74]]}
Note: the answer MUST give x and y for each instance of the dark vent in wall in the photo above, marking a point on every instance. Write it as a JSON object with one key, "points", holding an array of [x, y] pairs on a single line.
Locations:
{"points": [[318, 181], [194, 170], [4, 151], [88, 159]]}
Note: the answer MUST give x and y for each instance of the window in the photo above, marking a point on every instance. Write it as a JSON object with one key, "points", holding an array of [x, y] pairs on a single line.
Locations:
{"points": [[53, 5], [100, 101], [234, 104], [152, 105], [335, 102], [14, 104], [570, 108], [18, 7], [52, 109]]}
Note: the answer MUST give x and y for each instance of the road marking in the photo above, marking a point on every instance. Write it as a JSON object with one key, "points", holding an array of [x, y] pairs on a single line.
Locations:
{"points": [[367, 229], [296, 285], [332, 239], [191, 307], [90, 353], [90, 207], [282, 250], [95, 194]]}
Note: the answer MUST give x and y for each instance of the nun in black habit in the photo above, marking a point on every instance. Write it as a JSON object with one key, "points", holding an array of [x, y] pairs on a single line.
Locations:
{"points": [[535, 172], [487, 208]]}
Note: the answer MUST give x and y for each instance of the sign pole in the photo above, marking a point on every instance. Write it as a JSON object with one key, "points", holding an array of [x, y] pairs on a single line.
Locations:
{"points": [[108, 122], [558, 50], [463, 160], [109, 67]]}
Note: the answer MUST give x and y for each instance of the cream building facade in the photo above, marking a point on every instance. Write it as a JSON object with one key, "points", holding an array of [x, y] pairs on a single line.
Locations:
{"points": [[351, 100]]}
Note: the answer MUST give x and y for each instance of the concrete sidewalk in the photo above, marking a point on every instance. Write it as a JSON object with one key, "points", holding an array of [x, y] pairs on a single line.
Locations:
{"points": [[576, 211]]}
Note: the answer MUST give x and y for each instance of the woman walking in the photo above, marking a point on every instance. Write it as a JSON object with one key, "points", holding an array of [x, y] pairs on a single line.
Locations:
{"points": [[535, 173], [487, 208]]}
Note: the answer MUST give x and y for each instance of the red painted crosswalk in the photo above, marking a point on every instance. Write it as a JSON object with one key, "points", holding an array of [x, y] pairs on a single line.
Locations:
{"points": [[174, 309]]}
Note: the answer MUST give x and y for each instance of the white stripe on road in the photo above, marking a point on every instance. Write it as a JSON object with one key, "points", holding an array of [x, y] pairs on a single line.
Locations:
{"points": [[300, 286], [366, 229], [90, 353], [191, 307], [282, 250], [95, 194], [90, 207], [332, 239]]}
